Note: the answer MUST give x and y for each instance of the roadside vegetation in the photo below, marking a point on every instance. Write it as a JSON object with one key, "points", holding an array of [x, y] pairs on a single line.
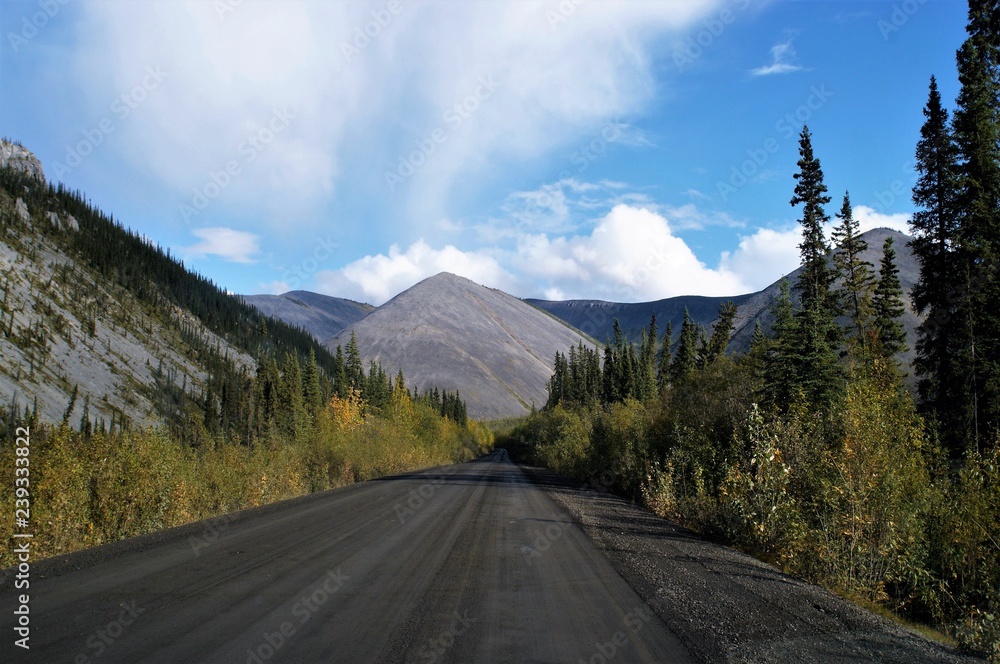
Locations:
{"points": [[253, 410], [808, 451], [92, 487]]}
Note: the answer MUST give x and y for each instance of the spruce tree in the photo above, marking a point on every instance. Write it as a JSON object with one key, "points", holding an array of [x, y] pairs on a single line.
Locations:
{"points": [[663, 369], [353, 367], [817, 334], [311, 392], [976, 126], [934, 227], [888, 304], [721, 332], [810, 192], [780, 360], [857, 280], [647, 362], [686, 359]]}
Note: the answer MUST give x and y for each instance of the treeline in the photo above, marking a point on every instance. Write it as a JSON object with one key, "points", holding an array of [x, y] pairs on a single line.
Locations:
{"points": [[808, 450], [93, 487], [580, 378]]}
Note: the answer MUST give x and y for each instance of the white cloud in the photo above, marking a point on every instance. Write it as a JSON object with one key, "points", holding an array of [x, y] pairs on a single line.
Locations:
{"points": [[632, 254], [782, 56], [376, 279], [764, 256], [868, 219], [276, 288], [564, 71], [228, 244]]}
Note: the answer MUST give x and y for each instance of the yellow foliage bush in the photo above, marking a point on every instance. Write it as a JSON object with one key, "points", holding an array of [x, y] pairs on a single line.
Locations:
{"points": [[87, 491]]}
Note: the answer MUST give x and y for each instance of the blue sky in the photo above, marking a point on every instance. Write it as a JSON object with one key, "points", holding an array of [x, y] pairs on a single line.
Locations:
{"points": [[561, 149]]}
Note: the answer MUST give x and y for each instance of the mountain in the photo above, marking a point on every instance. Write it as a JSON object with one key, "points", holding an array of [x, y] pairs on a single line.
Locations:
{"points": [[16, 156], [449, 332], [757, 306], [90, 308], [320, 315], [596, 317]]}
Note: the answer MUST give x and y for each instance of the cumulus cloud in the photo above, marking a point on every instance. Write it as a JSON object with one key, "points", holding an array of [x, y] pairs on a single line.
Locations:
{"points": [[782, 56], [767, 254], [764, 256], [631, 254], [378, 278], [228, 244], [869, 218]]}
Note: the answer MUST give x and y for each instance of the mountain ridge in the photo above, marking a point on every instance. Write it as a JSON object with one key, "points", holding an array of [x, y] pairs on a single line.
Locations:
{"points": [[322, 316], [449, 332]]}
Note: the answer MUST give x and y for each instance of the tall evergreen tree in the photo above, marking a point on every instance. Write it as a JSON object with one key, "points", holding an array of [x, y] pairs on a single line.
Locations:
{"points": [[817, 334], [559, 381], [976, 126], [663, 369], [353, 367], [810, 192], [311, 392], [935, 229], [721, 332], [888, 304], [647, 361], [779, 364], [290, 407], [686, 360], [857, 280]]}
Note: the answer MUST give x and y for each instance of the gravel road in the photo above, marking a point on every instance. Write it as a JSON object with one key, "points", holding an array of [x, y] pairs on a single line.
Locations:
{"points": [[479, 562]]}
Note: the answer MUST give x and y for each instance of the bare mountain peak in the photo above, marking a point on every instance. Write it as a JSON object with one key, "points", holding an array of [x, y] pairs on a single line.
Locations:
{"points": [[20, 158], [451, 333]]}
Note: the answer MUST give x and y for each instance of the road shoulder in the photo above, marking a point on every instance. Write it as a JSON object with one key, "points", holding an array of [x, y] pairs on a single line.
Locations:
{"points": [[727, 606]]}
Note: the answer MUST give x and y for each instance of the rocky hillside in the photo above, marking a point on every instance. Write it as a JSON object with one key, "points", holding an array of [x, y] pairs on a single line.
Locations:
{"points": [[449, 332], [90, 308], [16, 156]]}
